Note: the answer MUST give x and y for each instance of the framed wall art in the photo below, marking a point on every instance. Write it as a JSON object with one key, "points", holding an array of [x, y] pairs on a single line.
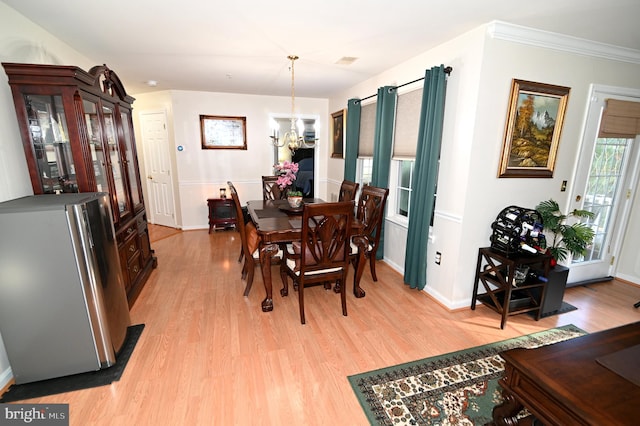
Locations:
{"points": [[534, 123], [219, 132], [338, 124]]}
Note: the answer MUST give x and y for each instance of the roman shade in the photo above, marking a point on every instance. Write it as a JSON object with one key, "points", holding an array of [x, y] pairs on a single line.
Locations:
{"points": [[367, 129], [405, 139], [620, 119]]}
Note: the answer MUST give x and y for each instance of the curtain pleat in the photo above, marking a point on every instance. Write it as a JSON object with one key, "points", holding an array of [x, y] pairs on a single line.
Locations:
{"points": [[352, 137], [383, 142], [425, 177]]}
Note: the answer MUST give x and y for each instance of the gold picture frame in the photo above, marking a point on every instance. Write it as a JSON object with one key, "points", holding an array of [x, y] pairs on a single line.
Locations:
{"points": [[532, 134], [338, 126], [222, 132]]}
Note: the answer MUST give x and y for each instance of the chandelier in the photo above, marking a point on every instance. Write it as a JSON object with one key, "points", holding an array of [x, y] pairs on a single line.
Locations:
{"points": [[291, 138]]}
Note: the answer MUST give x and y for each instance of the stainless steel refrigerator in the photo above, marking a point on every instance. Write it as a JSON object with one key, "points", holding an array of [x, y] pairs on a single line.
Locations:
{"points": [[63, 307]]}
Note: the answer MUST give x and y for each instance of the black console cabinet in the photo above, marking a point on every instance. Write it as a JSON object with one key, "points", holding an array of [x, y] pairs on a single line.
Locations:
{"points": [[555, 290]]}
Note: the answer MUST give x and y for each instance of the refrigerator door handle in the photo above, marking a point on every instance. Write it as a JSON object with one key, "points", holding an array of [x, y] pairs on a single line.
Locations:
{"points": [[88, 228]]}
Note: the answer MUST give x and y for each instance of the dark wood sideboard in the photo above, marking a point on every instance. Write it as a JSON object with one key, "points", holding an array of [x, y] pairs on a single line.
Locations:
{"points": [[589, 380]]}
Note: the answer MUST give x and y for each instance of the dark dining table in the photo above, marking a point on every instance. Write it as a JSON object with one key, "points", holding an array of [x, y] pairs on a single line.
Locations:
{"points": [[278, 224]]}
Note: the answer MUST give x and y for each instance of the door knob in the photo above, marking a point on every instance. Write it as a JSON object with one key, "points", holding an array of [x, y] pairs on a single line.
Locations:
{"points": [[150, 177]]}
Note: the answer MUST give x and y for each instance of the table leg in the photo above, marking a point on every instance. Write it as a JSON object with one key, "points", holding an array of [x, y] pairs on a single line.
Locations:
{"points": [[266, 256]]}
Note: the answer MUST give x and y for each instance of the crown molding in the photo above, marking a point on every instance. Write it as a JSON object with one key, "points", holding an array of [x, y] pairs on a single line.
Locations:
{"points": [[518, 34]]}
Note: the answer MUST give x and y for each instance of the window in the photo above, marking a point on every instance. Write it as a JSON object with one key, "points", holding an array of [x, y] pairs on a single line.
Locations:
{"points": [[405, 138], [364, 169], [603, 192], [403, 187], [400, 182]]}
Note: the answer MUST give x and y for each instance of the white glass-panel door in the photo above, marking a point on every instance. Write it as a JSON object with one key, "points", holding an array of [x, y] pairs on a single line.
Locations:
{"points": [[605, 184]]}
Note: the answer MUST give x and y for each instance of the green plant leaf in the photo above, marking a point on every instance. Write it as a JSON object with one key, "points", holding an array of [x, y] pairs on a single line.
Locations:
{"points": [[562, 238]]}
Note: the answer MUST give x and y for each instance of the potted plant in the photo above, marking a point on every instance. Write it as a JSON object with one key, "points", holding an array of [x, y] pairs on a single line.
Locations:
{"points": [[287, 173], [295, 199], [563, 239]]}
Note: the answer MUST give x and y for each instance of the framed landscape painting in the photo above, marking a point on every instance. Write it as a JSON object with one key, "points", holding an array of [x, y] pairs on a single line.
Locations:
{"points": [[532, 134], [219, 132]]}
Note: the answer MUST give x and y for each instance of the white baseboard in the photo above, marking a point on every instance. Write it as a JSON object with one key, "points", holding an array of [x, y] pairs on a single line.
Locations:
{"points": [[195, 227], [629, 278], [394, 266]]}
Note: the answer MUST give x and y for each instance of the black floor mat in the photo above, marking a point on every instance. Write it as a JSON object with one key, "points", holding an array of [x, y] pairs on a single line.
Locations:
{"points": [[566, 307], [78, 381]]}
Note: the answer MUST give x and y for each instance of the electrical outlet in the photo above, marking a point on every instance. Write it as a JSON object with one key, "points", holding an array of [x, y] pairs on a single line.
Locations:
{"points": [[438, 257]]}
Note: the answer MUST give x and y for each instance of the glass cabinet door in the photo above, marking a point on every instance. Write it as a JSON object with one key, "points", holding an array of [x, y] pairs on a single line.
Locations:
{"points": [[132, 164], [95, 144], [49, 135], [114, 158]]}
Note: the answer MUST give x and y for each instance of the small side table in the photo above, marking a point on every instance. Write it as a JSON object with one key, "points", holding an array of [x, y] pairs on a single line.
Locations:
{"points": [[222, 213], [496, 272]]}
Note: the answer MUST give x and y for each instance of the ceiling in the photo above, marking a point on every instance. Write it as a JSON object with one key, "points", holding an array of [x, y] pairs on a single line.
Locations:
{"points": [[242, 46]]}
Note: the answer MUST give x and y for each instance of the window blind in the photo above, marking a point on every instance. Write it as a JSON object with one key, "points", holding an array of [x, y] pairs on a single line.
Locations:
{"points": [[620, 119], [405, 139], [367, 129]]}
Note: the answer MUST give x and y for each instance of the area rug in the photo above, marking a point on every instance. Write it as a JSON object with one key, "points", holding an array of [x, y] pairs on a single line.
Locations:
{"points": [[456, 388], [75, 382]]}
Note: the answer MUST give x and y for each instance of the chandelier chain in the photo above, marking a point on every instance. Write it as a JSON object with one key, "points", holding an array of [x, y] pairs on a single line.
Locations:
{"points": [[293, 58], [291, 139]]}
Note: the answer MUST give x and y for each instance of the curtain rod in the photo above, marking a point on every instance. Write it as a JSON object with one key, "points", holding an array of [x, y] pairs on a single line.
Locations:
{"points": [[447, 71]]}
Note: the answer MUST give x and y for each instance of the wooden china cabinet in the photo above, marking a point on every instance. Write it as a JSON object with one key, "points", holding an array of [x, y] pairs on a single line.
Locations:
{"points": [[77, 134]]}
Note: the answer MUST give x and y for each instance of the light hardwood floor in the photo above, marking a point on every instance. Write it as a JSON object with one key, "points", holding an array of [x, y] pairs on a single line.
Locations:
{"points": [[209, 356]]}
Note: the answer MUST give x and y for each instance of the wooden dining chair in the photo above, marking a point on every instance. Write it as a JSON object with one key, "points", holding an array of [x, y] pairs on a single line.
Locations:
{"points": [[370, 214], [250, 243], [322, 255], [271, 190], [238, 218], [348, 190]]}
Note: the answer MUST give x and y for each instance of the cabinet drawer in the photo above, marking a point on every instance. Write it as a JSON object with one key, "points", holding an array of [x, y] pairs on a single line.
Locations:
{"points": [[127, 232], [134, 267], [131, 248]]}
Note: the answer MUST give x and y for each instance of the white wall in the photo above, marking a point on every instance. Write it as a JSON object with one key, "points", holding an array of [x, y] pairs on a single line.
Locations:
{"points": [[629, 262], [464, 55], [486, 195], [22, 41], [469, 193], [201, 172]]}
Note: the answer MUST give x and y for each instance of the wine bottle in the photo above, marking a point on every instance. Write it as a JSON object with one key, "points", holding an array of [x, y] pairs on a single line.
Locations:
{"points": [[526, 247]]}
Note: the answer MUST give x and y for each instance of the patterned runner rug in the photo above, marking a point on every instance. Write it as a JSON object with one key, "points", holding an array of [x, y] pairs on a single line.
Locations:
{"points": [[459, 388]]}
